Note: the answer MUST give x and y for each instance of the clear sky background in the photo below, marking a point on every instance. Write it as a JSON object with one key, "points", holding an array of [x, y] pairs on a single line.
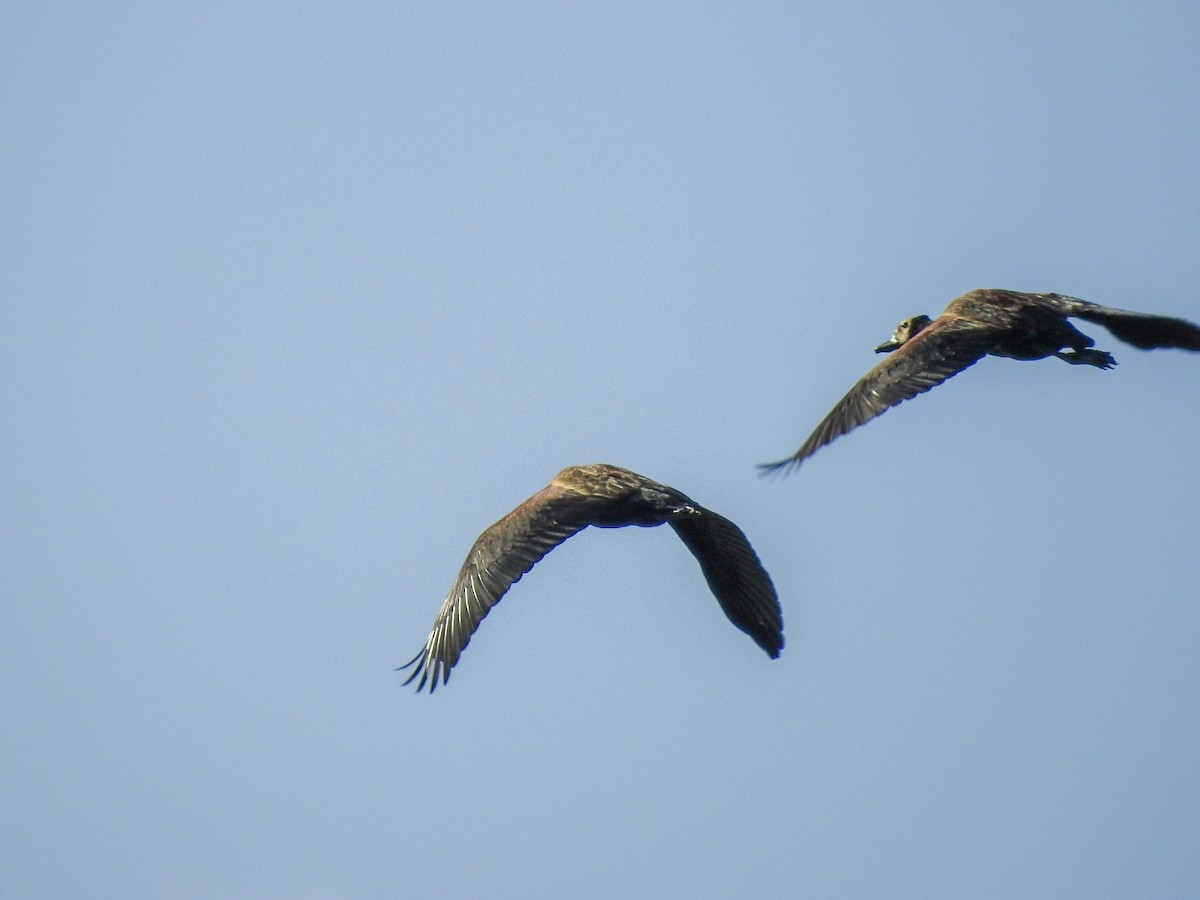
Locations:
{"points": [[301, 297]]}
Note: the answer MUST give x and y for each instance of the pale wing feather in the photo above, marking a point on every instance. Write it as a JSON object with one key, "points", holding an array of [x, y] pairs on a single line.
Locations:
{"points": [[939, 352], [498, 559]]}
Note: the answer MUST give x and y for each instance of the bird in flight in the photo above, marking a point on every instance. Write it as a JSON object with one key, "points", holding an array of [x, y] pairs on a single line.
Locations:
{"points": [[975, 325], [607, 497]]}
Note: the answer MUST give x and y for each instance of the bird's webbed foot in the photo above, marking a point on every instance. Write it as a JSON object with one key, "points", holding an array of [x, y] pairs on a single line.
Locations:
{"points": [[1098, 358]]}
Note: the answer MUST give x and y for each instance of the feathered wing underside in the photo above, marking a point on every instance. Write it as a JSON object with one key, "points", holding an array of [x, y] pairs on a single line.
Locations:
{"points": [[939, 352], [1140, 329], [498, 559], [735, 575]]}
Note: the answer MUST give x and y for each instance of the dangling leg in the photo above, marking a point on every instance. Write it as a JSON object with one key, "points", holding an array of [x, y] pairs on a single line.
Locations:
{"points": [[1087, 356], [1081, 352]]}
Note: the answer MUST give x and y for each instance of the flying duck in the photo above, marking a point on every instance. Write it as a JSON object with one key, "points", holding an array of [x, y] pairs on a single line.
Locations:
{"points": [[978, 324], [607, 497]]}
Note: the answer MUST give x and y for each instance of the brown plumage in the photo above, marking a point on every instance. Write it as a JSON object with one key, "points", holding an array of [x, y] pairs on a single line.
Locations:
{"points": [[979, 324], [607, 497]]}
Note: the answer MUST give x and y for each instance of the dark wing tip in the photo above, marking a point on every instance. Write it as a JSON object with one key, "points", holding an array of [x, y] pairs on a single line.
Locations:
{"points": [[428, 669], [768, 634], [783, 467]]}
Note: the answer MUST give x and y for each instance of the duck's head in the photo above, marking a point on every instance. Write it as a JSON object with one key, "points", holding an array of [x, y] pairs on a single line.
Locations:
{"points": [[905, 332]]}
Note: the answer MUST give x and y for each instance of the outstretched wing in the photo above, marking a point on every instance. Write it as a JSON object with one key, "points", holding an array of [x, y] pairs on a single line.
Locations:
{"points": [[734, 573], [1140, 329], [939, 352], [498, 559]]}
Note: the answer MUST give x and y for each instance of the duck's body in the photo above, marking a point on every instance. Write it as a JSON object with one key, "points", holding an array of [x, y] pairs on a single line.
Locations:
{"points": [[607, 497], [986, 323]]}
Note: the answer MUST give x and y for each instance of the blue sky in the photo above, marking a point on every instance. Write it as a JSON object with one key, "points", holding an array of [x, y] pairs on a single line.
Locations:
{"points": [[304, 296]]}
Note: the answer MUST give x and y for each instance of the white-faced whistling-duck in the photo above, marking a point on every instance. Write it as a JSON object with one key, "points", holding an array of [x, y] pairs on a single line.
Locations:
{"points": [[607, 497], [979, 324]]}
